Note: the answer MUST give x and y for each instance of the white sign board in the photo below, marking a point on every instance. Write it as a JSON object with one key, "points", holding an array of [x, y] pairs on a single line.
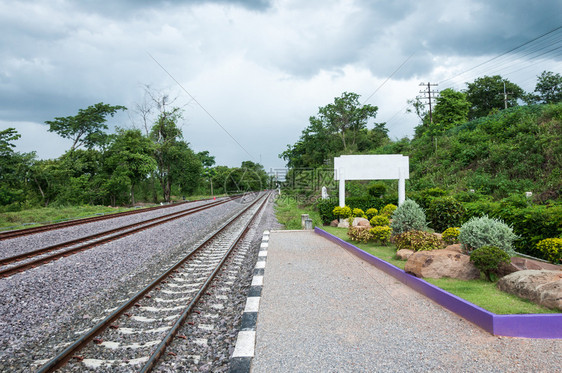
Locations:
{"points": [[372, 167]]}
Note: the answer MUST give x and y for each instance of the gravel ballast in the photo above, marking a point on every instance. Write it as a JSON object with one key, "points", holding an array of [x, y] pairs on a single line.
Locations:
{"points": [[41, 309]]}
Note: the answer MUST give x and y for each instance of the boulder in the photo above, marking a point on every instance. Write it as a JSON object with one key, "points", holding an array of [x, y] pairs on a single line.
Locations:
{"points": [[404, 254], [543, 287], [356, 222], [455, 247], [334, 223], [522, 264], [441, 263]]}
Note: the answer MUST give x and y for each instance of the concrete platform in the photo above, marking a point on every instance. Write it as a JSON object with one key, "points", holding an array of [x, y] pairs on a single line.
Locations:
{"points": [[324, 310]]}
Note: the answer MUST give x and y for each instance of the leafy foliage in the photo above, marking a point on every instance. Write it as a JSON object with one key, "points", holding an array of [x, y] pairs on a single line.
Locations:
{"points": [[359, 234], [552, 249], [342, 212], [358, 213], [371, 212], [325, 208], [379, 220], [381, 234], [488, 259], [485, 231], [377, 190], [444, 212], [417, 241], [407, 217], [451, 235], [485, 95], [388, 210]]}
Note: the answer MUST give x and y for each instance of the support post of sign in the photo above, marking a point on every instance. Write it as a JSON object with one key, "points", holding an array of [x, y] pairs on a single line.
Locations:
{"points": [[342, 187], [401, 187]]}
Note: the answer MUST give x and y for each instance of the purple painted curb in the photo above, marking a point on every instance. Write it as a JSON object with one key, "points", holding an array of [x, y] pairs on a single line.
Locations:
{"points": [[548, 326]]}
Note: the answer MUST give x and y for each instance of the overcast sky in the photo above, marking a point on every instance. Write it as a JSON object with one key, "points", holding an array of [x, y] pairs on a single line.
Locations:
{"points": [[259, 68]]}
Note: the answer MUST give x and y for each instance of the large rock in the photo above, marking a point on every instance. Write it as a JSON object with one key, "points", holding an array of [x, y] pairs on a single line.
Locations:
{"points": [[441, 263], [522, 264], [404, 254], [454, 247], [334, 223], [543, 287]]}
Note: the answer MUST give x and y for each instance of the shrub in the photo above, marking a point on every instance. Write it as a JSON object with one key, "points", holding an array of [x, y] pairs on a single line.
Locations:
{"points": [[371, 212], [485, 231], [381, 234], [379, 220], [325, 208], [551, 249], [487, 259], [342, 212], [360, 234], [451, 235], [359, 213], [377, 190], [427, 195], [418, 241], [445, 212], [388, 210], [409, 216]]}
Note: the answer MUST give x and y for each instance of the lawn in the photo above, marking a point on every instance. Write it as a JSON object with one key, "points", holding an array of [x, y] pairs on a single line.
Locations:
{"points": [[479, 292], [47, 215]]}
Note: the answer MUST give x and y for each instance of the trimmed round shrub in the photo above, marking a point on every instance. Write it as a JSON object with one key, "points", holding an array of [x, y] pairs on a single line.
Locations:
{"points": [[451, 235], [379, 220], [408, 217], [485, 231], [427, 195], [359, 213], [418, 241], [377, 190], [342, 212], [371, 212], [488, 259], [552, 249], [444, 212], [388, 210], [381, 234]]}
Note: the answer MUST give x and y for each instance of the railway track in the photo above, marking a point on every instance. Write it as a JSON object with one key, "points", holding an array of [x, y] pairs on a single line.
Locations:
{"points": [[49, 227], [134, 336], [33, 258]]}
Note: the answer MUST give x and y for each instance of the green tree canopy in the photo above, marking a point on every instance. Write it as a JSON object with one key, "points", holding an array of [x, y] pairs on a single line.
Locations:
{"points": [[451, 109], [549, 88], [486, 94], [87, 128]]}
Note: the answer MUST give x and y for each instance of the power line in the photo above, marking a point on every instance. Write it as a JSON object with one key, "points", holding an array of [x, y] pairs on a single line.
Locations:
{"points": [[504, 53], [201, 106], [387, 79]]}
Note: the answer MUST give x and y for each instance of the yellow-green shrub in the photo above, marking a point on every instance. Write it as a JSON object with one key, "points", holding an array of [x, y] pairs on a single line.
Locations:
{"points": [[342, 212], [359, 213], [451, 235], [371, 212], [388, 209], [381, 234], [360, 234], [379, 220], [552, 249]]}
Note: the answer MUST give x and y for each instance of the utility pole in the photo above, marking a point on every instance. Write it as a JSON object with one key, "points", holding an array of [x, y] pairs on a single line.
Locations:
{"points": [[505, 95], [427, 96]]}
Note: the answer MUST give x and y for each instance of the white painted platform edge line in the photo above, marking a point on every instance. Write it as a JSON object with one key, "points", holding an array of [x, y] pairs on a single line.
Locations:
{"points": [[260, 264], [252, 304], [257, 281], [245, 344], [264, 245], [262, 253], [265, 232]]}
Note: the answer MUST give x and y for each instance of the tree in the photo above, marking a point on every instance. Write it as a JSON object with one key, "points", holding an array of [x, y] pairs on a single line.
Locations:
{"points": [[487, 94], [131, 156], [14, 167], [346, 116], [87, 128], [451, 109], [549, 88]]}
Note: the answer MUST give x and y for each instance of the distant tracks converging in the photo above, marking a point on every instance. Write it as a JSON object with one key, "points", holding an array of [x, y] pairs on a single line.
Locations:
{"points": [[25, 260], [135, 335]]}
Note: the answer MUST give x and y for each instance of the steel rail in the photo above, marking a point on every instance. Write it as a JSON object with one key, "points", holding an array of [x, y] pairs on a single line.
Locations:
{"points": [[160, 349], [143, 226], [63, 357], [27, 231]]}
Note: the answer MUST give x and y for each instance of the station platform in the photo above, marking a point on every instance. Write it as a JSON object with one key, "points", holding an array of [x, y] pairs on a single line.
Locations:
{"points": [[322, 309]]}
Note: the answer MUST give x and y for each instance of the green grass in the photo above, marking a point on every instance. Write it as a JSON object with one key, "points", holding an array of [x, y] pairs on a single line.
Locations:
{"points": [[44, 215], [479, 292], [288, 213]]}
